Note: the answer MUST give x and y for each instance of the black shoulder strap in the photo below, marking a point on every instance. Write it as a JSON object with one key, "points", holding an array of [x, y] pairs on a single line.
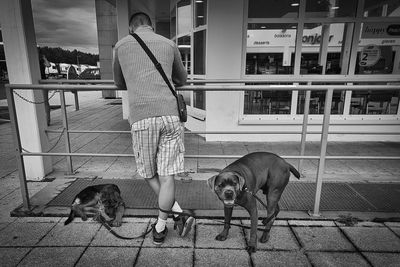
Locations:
{"points": [[155, 62]]}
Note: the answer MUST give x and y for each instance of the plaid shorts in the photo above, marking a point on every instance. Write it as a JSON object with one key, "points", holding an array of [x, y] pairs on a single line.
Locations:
{"points": [[158, 146]]}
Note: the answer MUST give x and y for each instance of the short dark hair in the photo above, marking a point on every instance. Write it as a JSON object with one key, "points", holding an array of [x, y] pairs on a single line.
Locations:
{"points": [[139, 18]]}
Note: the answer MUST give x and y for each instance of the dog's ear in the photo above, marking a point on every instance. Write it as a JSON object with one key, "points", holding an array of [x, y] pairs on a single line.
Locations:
{"points": [[211, 182], [241, 181]]}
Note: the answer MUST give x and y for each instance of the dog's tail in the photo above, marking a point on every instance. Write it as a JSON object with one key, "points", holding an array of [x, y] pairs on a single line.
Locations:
{"points": [[294, 171], [70, 217]]}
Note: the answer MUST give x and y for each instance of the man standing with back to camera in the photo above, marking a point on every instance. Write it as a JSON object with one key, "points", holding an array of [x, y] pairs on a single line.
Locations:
{"points": [[157, 133]]}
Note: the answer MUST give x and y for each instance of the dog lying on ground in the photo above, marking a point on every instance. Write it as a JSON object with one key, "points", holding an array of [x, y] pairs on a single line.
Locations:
{"points": [[237, 183], [99, 200]]}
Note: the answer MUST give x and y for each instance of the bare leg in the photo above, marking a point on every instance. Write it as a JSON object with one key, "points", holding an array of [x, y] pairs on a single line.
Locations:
{"points": [[164, 188], [166, 198], [154, 183]]}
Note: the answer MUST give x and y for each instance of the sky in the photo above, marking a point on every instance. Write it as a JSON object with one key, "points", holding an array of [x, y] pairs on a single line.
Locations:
{"points": [[70, 24]]}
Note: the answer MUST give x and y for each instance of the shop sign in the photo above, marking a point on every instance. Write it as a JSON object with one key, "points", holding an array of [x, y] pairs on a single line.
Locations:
{"points": [[380, 30], [311, 37], [369, 56]]}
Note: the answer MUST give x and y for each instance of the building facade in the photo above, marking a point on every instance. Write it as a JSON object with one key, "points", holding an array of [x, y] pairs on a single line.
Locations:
{"points": [[287, 42]]}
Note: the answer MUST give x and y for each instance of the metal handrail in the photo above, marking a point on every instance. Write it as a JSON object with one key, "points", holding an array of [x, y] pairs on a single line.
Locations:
{"points": [[231, 132], [271, 79], [207, 156], [219, 87]]}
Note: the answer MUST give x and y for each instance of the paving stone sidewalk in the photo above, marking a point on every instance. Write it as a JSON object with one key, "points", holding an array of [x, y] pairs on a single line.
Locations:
{"points": [[47, 242]]}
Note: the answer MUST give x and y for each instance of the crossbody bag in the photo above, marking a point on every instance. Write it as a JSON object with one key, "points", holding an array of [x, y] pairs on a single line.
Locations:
{"points": [[179, 98]]}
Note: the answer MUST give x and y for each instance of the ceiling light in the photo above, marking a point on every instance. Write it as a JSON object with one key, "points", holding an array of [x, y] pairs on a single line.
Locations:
{"points": [[199, 1], [335, 7], [294, 4], [200, 16]]}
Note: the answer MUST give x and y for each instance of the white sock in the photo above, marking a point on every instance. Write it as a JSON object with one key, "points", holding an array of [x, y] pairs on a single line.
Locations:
{"points": [[160, 226], [176, 208]]}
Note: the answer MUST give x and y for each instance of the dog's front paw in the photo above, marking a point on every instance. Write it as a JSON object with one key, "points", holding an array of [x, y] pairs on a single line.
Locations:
{"points": [[265, 237], [221, 237], [251, 249], [116, 223]]}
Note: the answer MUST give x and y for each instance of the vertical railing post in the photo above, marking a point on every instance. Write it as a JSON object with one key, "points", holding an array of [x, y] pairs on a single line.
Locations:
{"points": [[66, 131], [324, 144], [18, 148], [304, 128]]}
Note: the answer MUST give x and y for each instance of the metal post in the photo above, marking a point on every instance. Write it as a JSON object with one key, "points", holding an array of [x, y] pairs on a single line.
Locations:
{"points": [[65, 124], [75, 92], [324, 144], [18, 149], [304, 128]]}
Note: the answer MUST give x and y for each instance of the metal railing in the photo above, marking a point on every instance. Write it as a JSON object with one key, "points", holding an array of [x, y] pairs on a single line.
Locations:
{"points": [[218, 85]]}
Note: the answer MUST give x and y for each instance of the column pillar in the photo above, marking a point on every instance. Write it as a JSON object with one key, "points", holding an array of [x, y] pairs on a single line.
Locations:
{"points": [[23, 67], [123, 30], [224, 61], [106, 18]]}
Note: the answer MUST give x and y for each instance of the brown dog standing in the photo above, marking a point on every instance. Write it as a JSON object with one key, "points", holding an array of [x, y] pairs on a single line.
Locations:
{"points": [[237, 183]]}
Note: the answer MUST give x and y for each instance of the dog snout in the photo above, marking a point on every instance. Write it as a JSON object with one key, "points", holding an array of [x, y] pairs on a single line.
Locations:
{"points": [[229, 194]]}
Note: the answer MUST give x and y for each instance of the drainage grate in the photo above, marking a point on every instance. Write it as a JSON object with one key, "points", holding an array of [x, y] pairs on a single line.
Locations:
{"points": [[196, 195], [385, 197]]}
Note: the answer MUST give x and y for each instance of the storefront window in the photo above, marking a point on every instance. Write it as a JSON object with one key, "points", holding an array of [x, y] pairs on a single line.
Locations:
{"points": [[317, 102], [184, 48], [184, 17], [377, 48], [270, 48], [200, 13], [374, 102], [379, 8], [199, 99], [330, 8], [322, 45], [275, 9], [267, 102], [200, 52]]}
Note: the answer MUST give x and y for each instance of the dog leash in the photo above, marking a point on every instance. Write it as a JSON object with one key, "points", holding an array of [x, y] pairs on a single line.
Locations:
{"points": [[245, 189], [108, 227], [218, 221]]}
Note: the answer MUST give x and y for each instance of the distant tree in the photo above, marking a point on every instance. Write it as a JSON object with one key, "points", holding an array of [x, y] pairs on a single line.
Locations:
{"points": [[59, 55]]}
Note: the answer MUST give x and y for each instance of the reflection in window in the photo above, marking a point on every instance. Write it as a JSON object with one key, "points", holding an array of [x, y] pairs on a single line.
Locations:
{"points": [[270, 48], [317, 102], [200, 52], [276, 9], [330, 8], [199, 99], [184, 48], [320, 58], [374, 102], [184, 17], [376, 52], [267, 63], [379, 8], [267, 102], [200, 13]]}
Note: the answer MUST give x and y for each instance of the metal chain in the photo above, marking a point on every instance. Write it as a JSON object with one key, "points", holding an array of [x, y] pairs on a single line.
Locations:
{"points": [[33, 102], [58, 140]]}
